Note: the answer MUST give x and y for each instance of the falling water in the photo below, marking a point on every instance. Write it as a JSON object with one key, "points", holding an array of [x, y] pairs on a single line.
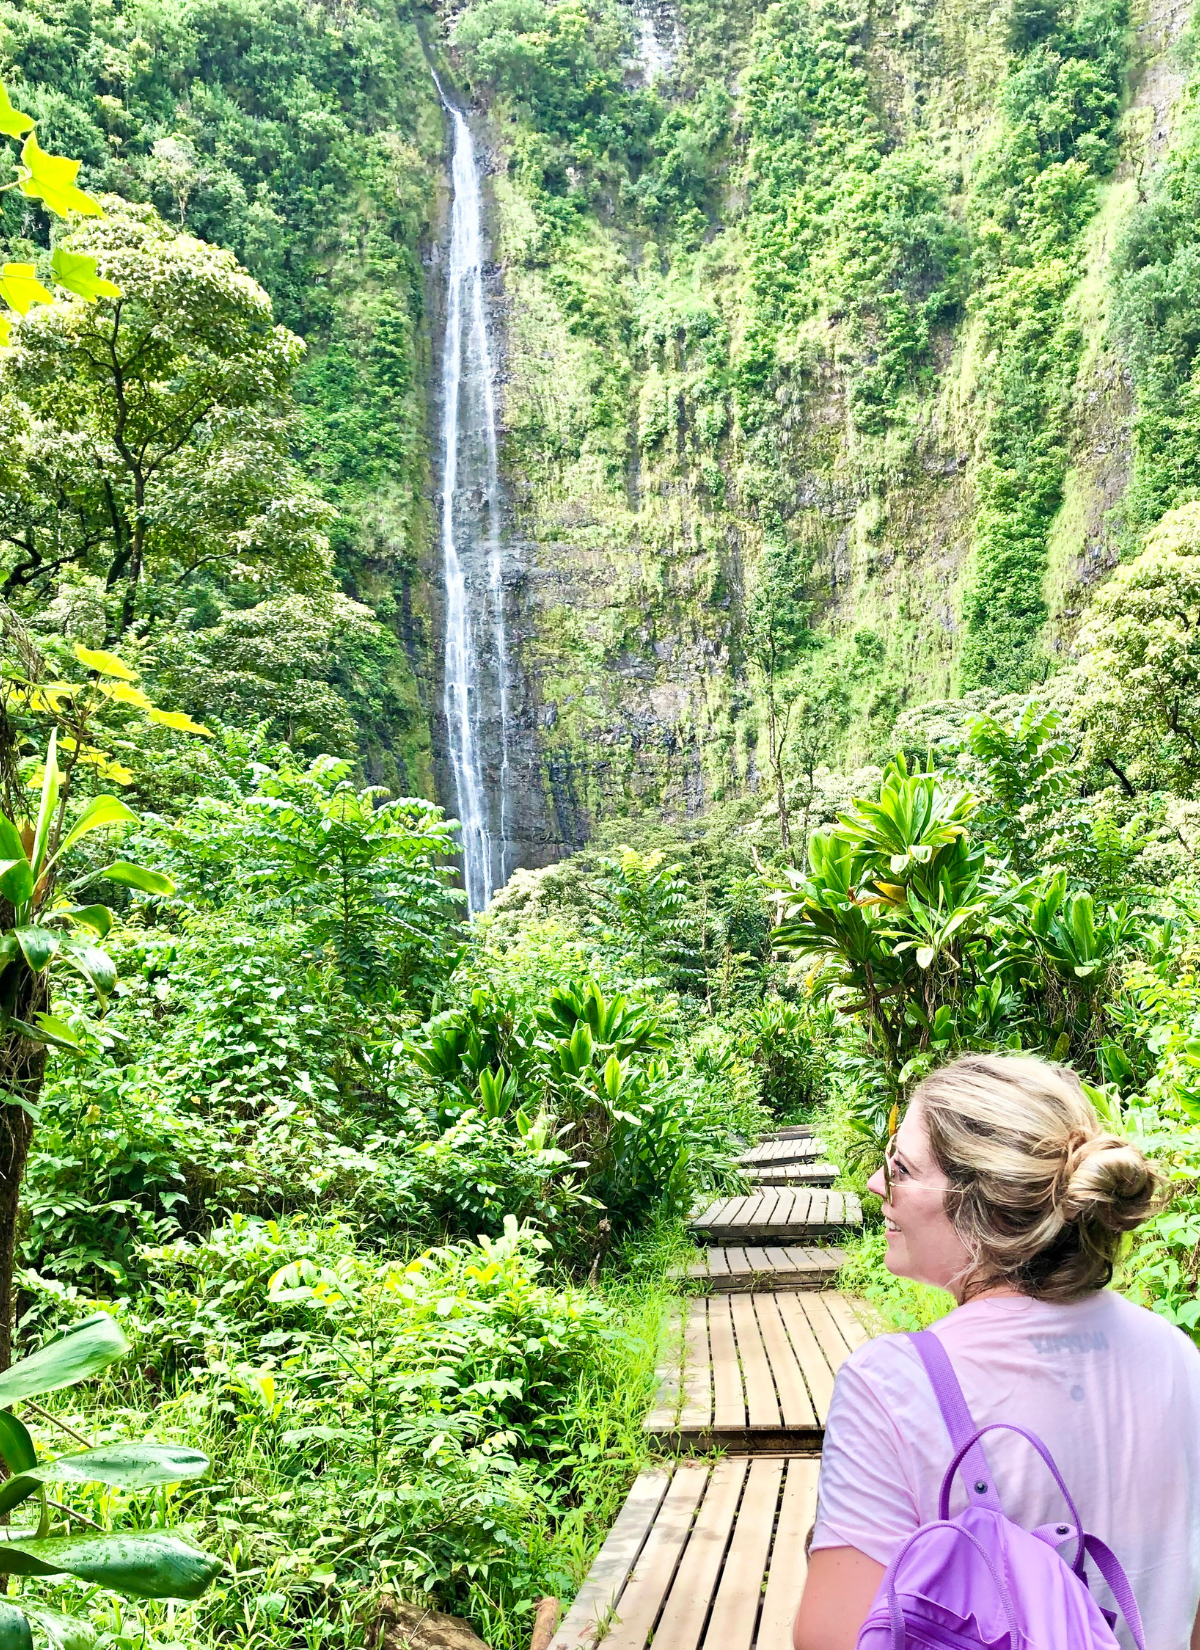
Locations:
{"points": [[471, 548]]}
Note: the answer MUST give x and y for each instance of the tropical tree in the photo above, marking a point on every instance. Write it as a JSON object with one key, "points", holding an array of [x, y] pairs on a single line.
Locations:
{"points": [[645, 899], [367, 877], [147, 434], [1142, 661]]}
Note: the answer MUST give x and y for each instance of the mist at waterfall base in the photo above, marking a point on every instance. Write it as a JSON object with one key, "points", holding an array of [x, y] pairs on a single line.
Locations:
{"points": [[476, 695]]}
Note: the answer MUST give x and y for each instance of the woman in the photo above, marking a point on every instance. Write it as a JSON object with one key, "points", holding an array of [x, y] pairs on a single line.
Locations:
{"points": [[1001, 1187]]}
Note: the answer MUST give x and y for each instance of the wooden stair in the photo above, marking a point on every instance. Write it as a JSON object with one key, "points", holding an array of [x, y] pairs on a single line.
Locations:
{"points": [[753, 1371], [777, 1215], [793, 1174], [744, 1270], [702, 1557], [781, 1151]]}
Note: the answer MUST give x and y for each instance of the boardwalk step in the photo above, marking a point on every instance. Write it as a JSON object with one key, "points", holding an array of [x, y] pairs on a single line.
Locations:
{"points": [[783, 1214], [797, 1131], [793, 1174], [734, 1269], [782, 1151], [755, 1372], [701, 1558]]}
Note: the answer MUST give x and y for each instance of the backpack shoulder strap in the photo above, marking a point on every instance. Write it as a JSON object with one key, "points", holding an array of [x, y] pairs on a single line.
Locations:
{"points": [[974, 1470]]}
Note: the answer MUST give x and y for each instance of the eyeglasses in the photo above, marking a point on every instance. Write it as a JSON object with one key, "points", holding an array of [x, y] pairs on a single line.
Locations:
{"points": [[889, 1151]]}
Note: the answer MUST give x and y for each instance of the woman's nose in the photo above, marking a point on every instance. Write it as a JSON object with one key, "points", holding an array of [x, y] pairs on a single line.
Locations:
{"points": [[877, 1184]]}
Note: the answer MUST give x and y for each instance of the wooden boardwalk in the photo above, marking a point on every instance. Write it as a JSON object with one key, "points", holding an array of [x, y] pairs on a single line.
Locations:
{"points": [[777, 1215], [753, 1371], [704, 1557], [805, 1150], [743, 1270], [793, 1174]]}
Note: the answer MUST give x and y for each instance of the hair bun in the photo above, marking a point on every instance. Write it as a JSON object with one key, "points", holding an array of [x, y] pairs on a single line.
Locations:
{"points": [[1108, 1180]]}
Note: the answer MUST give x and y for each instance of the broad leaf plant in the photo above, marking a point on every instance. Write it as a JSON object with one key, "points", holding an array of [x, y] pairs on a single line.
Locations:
{"points": [[141, 1563]]}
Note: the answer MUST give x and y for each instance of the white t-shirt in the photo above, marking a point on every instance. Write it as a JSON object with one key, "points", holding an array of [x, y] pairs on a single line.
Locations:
{"points": [[1111, 1389]]}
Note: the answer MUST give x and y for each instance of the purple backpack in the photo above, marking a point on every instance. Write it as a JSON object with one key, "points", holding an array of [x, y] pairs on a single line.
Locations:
{"points": [[981, 1580]]}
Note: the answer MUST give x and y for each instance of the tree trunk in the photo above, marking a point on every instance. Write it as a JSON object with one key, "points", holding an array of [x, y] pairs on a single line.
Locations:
{"points": [[22, 1071], [16, 1131]]}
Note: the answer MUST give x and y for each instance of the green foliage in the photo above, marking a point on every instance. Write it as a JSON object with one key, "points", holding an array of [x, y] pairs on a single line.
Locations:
{"points": [[939, 951], [1156, 322], [1143, 663], [1059, 101], [835, 222]]}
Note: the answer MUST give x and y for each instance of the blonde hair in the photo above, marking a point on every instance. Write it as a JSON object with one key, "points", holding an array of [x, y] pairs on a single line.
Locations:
{"points": [[1039, 1193]]}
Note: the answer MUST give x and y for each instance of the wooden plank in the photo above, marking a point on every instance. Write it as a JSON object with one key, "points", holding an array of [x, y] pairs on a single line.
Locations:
{"points": [[652, 1574], [795, 1174], [696, 1413], [735, 1609], [843, 1314], [781, 1151], [762, 1407], [612, 1564], [789, 1562], [729, 1404], [794, 1131], [737, 1260], [757, 1260], [686, 1610], [818, 1377], [833, 1342], [718, 1262], [794, 1402]]}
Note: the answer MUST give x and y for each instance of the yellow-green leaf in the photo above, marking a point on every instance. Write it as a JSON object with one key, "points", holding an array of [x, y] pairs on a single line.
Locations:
{"points": [[105, 663], [51, 178], [12, 122], [5, 332], [21, 289], [181, 722], [125, 695], [76, 272]]}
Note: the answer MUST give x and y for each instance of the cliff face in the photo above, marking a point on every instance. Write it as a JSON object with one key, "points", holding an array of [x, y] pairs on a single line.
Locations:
{"points": [[870, 333]]}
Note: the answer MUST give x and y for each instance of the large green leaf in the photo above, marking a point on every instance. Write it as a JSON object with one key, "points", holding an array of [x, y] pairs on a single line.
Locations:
{"points": [[51, 178], [16, 1446], [38, 945], [96, 917], [137, 876], [100, 811], [129, 1466], [16, 880], [76, 272], [82, 1350], [142, 1563], [11, 846], [96, 966], [49, 801], [12, 122], [64, 1632], [21, 289], [14, 1628]]}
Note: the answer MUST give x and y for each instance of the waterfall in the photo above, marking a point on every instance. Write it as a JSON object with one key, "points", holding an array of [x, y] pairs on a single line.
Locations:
{"points": [[476, 679]]}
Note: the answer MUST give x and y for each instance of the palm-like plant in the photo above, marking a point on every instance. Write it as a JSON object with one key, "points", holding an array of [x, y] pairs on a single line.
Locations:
{"points": [[893, 893]]}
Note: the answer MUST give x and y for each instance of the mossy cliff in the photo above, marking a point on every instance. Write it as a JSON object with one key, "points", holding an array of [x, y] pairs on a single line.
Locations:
{"points": [[838, 284]]}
